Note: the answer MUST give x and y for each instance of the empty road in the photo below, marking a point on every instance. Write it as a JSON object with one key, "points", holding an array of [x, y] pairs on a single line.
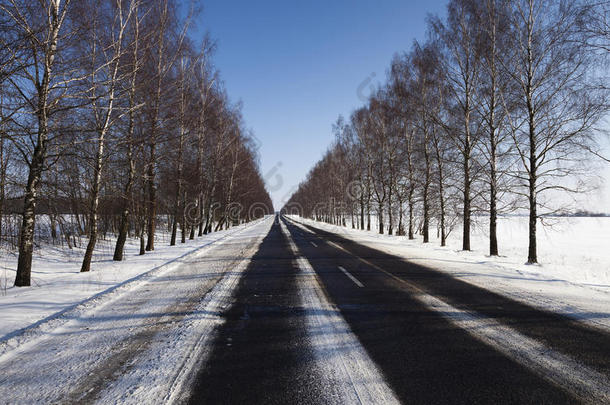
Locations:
{"points": [[283, 312]]}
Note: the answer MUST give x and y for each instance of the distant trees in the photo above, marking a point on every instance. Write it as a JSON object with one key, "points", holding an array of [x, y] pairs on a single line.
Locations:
{"points": [[118, 123], [499, 106]]}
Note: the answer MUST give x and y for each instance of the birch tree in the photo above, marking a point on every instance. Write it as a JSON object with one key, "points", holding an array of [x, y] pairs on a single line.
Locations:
{"points": [[128, 141], [106, 48], [556, 105], [492, 17], [42, 85], [461, 39]]}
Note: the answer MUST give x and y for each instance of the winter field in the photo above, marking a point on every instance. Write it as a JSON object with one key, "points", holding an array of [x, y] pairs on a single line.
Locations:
{"points": [[573, 276], [58, 286]]}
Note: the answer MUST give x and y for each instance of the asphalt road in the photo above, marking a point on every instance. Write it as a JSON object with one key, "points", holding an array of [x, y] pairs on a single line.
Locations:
{"points": [[284, 313], [262, 353]]}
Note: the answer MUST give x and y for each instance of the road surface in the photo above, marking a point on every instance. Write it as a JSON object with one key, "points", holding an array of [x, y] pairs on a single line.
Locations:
{"points": [[284, 313]]}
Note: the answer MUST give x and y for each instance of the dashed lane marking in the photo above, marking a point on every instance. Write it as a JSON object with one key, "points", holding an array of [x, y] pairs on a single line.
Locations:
{"points": [[354, 279]]}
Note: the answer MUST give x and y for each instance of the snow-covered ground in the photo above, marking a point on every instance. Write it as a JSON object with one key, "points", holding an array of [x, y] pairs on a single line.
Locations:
{"points": [[573, 276], [141, 343], [59, 287]]}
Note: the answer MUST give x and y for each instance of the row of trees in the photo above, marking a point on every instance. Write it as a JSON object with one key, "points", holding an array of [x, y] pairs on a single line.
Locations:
{"points": [[112, 118], [496, 112]]}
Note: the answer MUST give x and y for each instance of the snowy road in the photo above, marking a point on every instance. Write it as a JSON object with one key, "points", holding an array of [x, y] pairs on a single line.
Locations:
{"points": [[282, 312], [135, 346]]}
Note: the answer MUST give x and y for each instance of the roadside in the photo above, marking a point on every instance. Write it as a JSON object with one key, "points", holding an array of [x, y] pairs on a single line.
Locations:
{"points": [[586, 302], [60, 292], [139, 346]]}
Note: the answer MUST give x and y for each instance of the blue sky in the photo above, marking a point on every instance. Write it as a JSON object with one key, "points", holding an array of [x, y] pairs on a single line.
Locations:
{"points": [[298, 65]]}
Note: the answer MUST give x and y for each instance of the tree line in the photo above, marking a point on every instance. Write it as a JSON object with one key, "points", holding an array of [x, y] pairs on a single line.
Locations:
{"points": [[500, 110], [113, 119]]}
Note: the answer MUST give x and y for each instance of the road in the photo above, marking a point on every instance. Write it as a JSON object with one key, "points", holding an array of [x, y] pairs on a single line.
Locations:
{"points": [[263, 354], [288, 313]]}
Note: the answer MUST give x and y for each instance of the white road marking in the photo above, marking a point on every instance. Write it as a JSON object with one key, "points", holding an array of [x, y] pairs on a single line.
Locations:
{"points": [[314, 245], [338, 247], [354, 279]]}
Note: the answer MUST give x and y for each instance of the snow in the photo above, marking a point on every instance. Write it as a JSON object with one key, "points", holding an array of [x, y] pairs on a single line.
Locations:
{"points": [[573, 277], [136, 331], [58, 287], [139, 344], [169, 366]]}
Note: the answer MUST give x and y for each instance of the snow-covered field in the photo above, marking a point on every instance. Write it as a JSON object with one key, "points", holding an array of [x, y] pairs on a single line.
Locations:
{"points": [[573, 276], [58, 286]]}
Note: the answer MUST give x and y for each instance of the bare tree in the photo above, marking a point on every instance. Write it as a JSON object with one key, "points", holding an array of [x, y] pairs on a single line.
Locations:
{"points": [[184, 70], [41, 84], [130, 88], [206, 80], [556, 107], [461, 39], [379, 148], [106, 48], [424, 62], [492, 17], [169, 36]]}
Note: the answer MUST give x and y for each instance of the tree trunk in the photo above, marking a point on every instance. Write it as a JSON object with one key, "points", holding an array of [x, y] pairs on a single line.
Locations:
{"points": [[142, 244], [192, 233], [362, 211], [466, 214], [172, 241], [152, 199], [183, 221], [390, 219], [401, 226], [26, 237], [467, 202], [93, 217], [493, 141], [493, 214], [127, 191], [200, 216], [532, 255], [442, 208], [411, 209], [380, 217], [178, 207]]}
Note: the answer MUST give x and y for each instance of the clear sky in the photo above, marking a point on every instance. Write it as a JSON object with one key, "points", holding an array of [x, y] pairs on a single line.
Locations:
{"points": [[297, 65]]}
